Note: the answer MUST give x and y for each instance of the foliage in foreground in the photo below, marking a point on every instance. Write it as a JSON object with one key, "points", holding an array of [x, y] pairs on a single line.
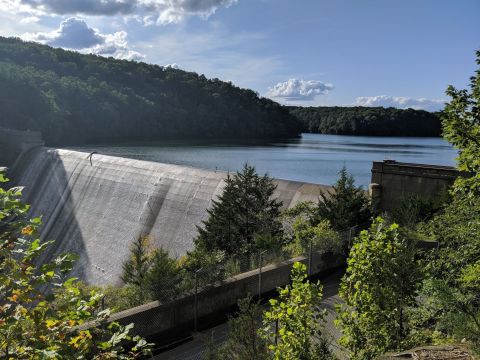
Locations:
{"points": [[451, 294], [461, 127], [299, 319], [380, 284], [291, 329], [244, 341], [41, 313]]}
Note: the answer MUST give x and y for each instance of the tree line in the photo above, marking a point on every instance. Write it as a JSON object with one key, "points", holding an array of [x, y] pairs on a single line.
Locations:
{"points": [[367, 121], [76, 99]]}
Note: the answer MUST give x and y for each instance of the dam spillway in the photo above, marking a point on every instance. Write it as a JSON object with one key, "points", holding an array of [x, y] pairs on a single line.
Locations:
{"points": [[95, 209]]}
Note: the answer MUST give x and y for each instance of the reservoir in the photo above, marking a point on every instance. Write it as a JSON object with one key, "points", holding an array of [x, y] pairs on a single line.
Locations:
{"points": [[314, 158]]}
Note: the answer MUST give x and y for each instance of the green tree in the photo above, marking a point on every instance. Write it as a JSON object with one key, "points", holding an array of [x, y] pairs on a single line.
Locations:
{"points": [[360, 120], [136, 267], [321, 237], [244, 341], [380, 284], [450, 294], [69, 94], [461, 127], [346, 206], [164, 278], [299, 319], [153, 273], [459, 306], [41, 313], [245, 212], [452, 290]]}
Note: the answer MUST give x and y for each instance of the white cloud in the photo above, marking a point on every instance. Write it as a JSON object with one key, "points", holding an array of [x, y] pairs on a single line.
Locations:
{"points": [[147, 11], [172, 66], [299, 90], [400, 102], [75, 34]]}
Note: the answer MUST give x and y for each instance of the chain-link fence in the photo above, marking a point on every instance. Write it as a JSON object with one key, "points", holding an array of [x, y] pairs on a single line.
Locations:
{"points": [[237, 266], [170, 285], [167, 284]]}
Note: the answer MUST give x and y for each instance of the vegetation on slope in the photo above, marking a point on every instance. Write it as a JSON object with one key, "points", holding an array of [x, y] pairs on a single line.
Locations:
{"points": [[370, 121], [75, 99]]}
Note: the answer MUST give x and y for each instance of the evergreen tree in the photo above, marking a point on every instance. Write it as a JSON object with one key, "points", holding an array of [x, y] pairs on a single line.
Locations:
{"points": [[244, 213], [137, 266], [164, 278], [346, 206]]}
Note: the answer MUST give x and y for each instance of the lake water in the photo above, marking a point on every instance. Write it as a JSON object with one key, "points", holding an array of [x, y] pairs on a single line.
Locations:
{"points": [[313, 158]]}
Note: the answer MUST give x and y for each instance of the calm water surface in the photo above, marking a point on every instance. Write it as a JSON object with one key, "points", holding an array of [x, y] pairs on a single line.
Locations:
{"points": [[314, 158]]}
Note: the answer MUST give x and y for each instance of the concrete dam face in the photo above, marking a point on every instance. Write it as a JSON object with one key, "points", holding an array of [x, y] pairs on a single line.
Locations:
{"points": [[95, 209]]}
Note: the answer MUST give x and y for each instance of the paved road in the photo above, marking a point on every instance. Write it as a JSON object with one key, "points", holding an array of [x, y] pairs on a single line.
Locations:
{"points": [[197, 347]]}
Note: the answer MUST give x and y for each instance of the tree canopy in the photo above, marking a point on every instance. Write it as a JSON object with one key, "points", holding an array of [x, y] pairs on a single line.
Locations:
{"points": [[461, 127], [368, 121], [244, 217], [76, 99]]}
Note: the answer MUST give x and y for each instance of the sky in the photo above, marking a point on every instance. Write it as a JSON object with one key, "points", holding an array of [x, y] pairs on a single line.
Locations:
{"points": [[401, 53]]}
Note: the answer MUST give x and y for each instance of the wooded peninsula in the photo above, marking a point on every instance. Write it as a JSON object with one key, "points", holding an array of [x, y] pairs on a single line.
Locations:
{"points": [[367, 121]]}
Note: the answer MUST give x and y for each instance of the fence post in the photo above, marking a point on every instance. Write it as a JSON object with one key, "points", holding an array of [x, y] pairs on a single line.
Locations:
{"points": [[195, 310], [260, 274], [310, 253]]}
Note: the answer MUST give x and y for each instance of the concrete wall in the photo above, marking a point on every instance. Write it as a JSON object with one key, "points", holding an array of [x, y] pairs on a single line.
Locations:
{"points": [[392, 181], [14, 142], [96, 209], [170, 321]]}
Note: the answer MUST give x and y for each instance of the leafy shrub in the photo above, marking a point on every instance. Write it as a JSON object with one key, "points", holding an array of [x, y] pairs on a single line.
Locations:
{"points": [[41, 310], [380, 284]]}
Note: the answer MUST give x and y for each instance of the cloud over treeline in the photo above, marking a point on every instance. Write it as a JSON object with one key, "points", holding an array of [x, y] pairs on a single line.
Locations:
{"points": [[401, 102], [74, 33], [299, 90]]}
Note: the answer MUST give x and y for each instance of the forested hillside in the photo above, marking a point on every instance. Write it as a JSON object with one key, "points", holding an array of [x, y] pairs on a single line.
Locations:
{"points": [[75, 99], [374, 121]]}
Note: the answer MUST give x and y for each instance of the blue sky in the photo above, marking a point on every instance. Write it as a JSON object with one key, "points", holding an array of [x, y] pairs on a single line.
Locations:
{"points": [[305, 52]]}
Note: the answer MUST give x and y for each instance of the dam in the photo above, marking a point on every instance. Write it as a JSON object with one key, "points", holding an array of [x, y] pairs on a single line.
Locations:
{"points": [[95, 205]]}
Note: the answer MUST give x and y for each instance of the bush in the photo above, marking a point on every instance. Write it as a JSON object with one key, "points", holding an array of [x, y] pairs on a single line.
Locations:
{"points": [[379, 286], [321, 236], [41, 310], [299, 320]]}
